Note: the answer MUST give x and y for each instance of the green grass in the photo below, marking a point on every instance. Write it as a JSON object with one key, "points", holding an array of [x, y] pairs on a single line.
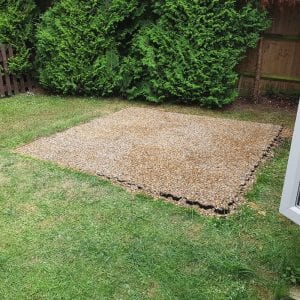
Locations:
{"points": [[68, 235], [25, 118]]}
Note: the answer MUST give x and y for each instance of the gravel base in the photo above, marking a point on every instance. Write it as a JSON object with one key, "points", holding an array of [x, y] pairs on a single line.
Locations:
{"points": [[194, 160]]}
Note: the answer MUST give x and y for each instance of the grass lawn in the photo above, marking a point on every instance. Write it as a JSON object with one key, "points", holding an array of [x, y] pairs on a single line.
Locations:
{"points": [[68, 235]]}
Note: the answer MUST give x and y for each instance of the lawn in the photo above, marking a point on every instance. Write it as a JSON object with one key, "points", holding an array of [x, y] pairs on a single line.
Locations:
{"points": [[68, 235]]}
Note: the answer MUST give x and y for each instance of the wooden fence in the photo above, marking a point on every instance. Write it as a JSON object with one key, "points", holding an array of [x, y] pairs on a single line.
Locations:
{"points": [[9, 84], [276, 60]]}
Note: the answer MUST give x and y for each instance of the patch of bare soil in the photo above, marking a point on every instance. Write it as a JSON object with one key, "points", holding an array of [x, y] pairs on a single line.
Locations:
{"points": [[193, 160], [274, 102]]}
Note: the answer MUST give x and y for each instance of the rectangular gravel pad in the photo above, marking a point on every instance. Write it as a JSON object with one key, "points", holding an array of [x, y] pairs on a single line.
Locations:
{"points": [[197, 160]]}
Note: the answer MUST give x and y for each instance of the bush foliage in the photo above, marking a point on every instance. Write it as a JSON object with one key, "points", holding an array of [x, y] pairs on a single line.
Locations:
{"points": [[154, 50], [17, 28], [191, 52], [78, 46]]}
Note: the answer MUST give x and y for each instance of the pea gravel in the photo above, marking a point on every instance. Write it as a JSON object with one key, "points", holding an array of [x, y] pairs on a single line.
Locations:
{"points": [[194, 160]]}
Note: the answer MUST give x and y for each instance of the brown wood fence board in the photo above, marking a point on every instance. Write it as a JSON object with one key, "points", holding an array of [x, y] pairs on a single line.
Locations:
{"points": [[2, 88], [280, 58], [2, 91], [5, 67], [15, 85], [280, 68], [22, 85], [14, 81], [29, 83], [271, 77], [10, 84], [286, 21], [246, 86]]}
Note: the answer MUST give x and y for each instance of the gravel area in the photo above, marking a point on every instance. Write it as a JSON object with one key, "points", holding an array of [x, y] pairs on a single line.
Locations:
{"points": [[190, 159]]}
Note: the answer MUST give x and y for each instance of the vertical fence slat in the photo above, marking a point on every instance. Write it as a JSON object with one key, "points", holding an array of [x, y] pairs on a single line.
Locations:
{"points": [[2, 90], [22, 85], [6, 75], [29, 84], [14, 80], [10, 84]]}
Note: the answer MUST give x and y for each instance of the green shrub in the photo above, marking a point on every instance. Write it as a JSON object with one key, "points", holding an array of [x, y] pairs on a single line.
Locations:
{"points": [[191, 52], [79, 44], [17, 28], [154, 50]]}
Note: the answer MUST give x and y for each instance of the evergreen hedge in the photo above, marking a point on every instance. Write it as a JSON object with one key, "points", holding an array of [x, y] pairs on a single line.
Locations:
{"points": [[191, 52], [154, 50], [78, 46], [17, 28]]}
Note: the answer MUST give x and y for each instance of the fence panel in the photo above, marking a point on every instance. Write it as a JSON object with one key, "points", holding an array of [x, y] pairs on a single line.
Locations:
{"points": [[280, 56], [9, 84]]}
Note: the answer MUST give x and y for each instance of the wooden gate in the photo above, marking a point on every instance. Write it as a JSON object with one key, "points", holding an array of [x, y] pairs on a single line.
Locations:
{"points": [[9, 84]]}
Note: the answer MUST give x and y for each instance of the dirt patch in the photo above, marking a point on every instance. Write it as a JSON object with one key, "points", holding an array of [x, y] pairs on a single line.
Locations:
{"points": [[272, 101], [193, 160], [28, 208], [50, 222]]}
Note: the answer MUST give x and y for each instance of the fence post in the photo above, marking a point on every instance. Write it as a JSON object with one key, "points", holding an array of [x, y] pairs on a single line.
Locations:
{"points": [[256, 89]]}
